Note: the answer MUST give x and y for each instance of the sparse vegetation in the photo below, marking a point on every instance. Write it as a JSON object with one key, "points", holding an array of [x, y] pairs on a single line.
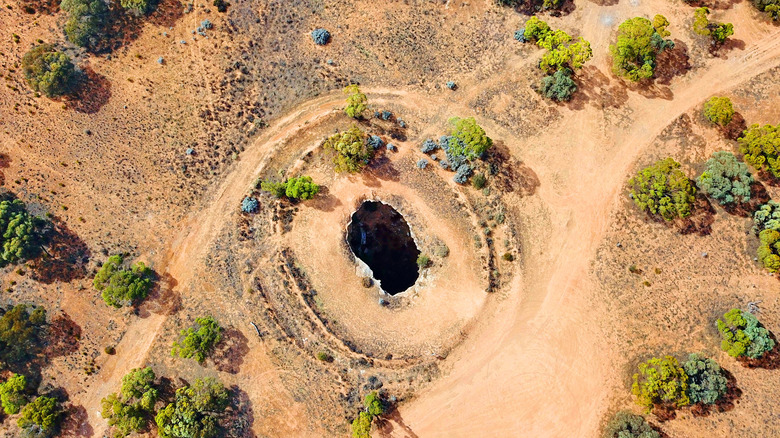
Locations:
{"points": [[663, 189], [352, 151], [761, 147], [41, 418], [743, 335], [661, 381], [627, 425], [122, 287], [719, 110], [356, 102], [198, 344], [726, 179], [130, 410], [639, 41], [195, 411]]}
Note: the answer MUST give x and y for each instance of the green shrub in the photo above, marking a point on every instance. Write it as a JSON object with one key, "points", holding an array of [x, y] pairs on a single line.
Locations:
{"points": [[22, 234], [761, 147], [468, 139], [771, 7], [278, 189], [374, 405], [41, 418], [21, 333], [352, 152], [627, 425], [717, 31], [12, 394], [199, 343], [86, 22], [356, 102], [195, 411], [361, 425], [769, 249], [719, 110], [639, 41], [478, 181], [536, 29], [661, 381], [138, 7], [423, 261], [301, 188], [129, 410], [706, 382], [743, 336], [558, 86], [663, 189], [767, 217], [324, 356], [122, 287], [726, 179]]}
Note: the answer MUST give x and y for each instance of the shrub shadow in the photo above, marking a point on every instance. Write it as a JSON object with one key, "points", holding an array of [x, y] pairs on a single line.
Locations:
{"points": [[671, 63], [387, 424], [239, 417], [735, 128], [162, 299], [76, 423], [722, 50], [93, 92], [598, 90], [64, 336], [701, 219], [511, 175], [65, 259], [229, 353], [324, 201]]}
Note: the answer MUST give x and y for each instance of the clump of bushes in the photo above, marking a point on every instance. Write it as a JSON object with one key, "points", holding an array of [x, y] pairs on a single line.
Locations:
{"points": [[558, 86], [661, 381], [374, 406], [352, 150], [422, 163], [356, 102], [743, 335], [726, 179], [771, 7], [428, 146], [639, 41], [320, 36], [462, 173], [195, 411], [706, 382], [198, 344], [302, 187], [451, 85], [49, 71], [767, 217], [86, 22], [22, 331], [703, 26], [663, 189], [120, 286], [130, 410], [375, 141], [478, 181], [423, 261], [22, 235], [761, 148], [13, 394], [719, 110], [250, 205], [41, 418], [627, 425]]}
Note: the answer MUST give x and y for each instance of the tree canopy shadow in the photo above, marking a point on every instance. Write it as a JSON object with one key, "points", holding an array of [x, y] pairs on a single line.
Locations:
{"points": [[701, 219], [382, 168], [76, 423], [671, 63], [769, 361], [722, 50], [511, 175], [758, 197], [598, 90], [735, 128], [324, 200], [93, 92], [64, 336], [162, 299], [239, 417], [389, 421], [66, 257], [5, 161], [229, 353], [124, 28]]}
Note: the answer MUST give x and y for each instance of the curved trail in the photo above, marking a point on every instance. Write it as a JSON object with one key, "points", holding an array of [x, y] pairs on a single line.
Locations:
{"points": [[537, 349]]}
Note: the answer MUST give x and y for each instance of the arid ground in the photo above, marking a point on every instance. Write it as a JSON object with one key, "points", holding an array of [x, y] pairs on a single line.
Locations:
{"points": [[544, 345]]}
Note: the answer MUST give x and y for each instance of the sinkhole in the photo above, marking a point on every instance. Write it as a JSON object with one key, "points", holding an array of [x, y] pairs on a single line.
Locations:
{"points": [[380, 237]]}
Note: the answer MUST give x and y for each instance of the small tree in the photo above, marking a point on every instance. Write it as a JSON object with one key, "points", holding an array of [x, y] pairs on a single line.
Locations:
{"points": [[23, 234], [86, 21], [138, 7], [661, 381], [301, 188], [195, 411], [198, 343], [719, 110], [761, 147], [120, 286], [558, 86], [374, 405], [726, 179], [130, 410], [356, 102], [706, 382], [639, 41], [22, 330], [536, 29], [12, 394], [361, 425], [743, 336], [352, 152], [627, 425], [41, 418], [717, 31], [769, 249], [467, 139], [663, 189], [767, 217], [771, 7]]}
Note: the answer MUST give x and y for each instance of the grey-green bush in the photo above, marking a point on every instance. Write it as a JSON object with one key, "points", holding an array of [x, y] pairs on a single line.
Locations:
{"points": [[706, 382], [767, 217], [627, 425], [726, 179]]}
